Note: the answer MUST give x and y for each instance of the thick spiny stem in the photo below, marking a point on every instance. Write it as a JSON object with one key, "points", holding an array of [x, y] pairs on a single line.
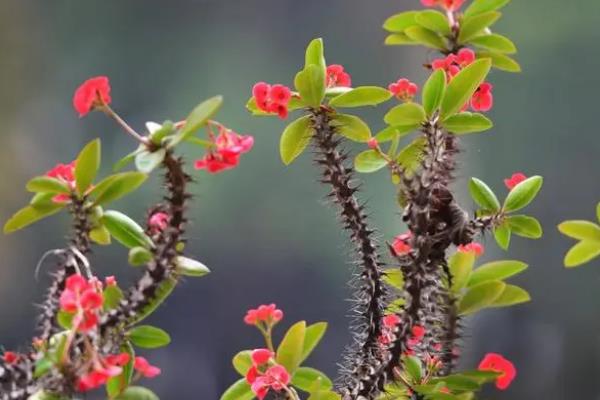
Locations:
{"points": [[371, 292]]}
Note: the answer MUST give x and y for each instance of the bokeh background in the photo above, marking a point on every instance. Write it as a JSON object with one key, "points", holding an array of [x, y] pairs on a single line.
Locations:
{"points": [[263, 228]]}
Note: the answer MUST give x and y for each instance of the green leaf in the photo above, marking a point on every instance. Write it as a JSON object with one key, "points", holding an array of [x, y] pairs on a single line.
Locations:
{"points": [[405, 114], [410, 156], [581, 253], [598, 211], [315, 54], [467, 122], [399, 39], [112, 296], [125, 230], [511, 296], [307, 379], [525, 226], [495, 42], [87, 165], [197, 119], [496, 271], [240, 390], [425, 37], [462, 86], [483, 195], [461, 265], [394, 277], [433, 20], [242, 362], [433, 91], [42, 367], [473, 26], [139, 256], [522, 194], [163, 291], [483, 6], [352, 127], [502, 235], [117, 384], [500, 61], [148, 337], [295, 138], [116, 186], [157, 135], [324, 395], [395, 132], [146, 161], [361, 96], [457, 382], [43, 395], [65, 319], [129, 158], [369, 161], [310, 83], [580, 230], [28, 215], [188, 267], [313, 335], [289, 352], [137, 393], [480, 296], [399, 22], [413, 368], [100, 235], [47, 184]]}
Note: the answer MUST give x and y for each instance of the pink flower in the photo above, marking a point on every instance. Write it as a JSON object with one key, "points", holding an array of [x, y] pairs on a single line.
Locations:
{"points": [[372, 143], [450, 5], [95, 92], [261, 356], [497, 363], [401, 244], [267, 314], [473, 247], [514, 180], [276, 378], [449, 64], [10, 357], [464, 57], [110, 281], [336, 76], [158, 221], [66, 174], [390, 322], [418, 332], [482, 99], [403, 89], [83, 298], [147, 370], [272, 98], [226, 152]]}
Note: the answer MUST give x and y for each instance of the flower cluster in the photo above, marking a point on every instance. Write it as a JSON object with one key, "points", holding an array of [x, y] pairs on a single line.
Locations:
{"points": [[497, 363], [514, 180], [336, 76], [225, 150], [66, 174], [482, 99], [272, 98], [264, 315], [103, 368], [401, 243], [403, 89], [83, 299], [95, 92], [449, 5], [476, 248], [266, 374]]}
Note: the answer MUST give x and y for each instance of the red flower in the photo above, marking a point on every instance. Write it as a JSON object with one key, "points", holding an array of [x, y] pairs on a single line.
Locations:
{"points": [[261, 356], [390, 322], [110, 281], [142, 366], [450, 5], [497, 363], [267, 314], [403, 89], [83, 298], [514, 180], [95, 92], [418, 332], [336, 76], [474, 247], [103, 370], [272, 98], [448, 64], [276, 378], [401, 244], [226, 152], [10, 357], [482, 99], [372, 143], [66, 174], [465, 57], [158, 221]]}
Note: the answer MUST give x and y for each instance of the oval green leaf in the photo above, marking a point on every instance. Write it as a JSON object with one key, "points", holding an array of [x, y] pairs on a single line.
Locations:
{"points": [[87, 165], [401, 21], [197, 119], [433, 91], [495, 42], [525, 226], [242, 362], [240, 390], [352, 127], [467, 122], [480, 296], [433, 20], [425, 37], [116, 186], [522, 194], [189, 267], [502, 235], [125, 230], [483, 195], [289, 352], [580, 230], [314, 334], [582, 253], [47, 184], [311, 380], [148, 337], [473, 26], [369, 161], [511, 296], [462, 86], [483, 6], [137, 393], [139, 256], [146, 161], [461, 265], [405, 115], [310, 83], [295, 138], [496, 271], [361, 96]]}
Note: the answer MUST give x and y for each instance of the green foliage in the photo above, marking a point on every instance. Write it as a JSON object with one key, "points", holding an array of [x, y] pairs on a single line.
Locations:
{"points": [[242, 362], [484, 6], [361, 96], [146, 161], [139, 256], [310, 380], [496, 270], [480, 296], [163, 291], [500, 61], [148, 337], [197, 119], [395, 132], [125, 230], [426, 37], [112, 296], [461, 266], [351, 127], [117, 384], [295, 138], [87, 165], [116, 186], [466, 122], [240, 390], [462, 86], [483, 195], [189, 267], [473, 26], [369, 161], [30, 214], [525, 226], [523, 193], [434, 21], [406, 114], [502, 234], [588, 235], [137, 393], [310, 83], [46, 184], [495, 42], [433, 92], [313, 335], [290, 350]]}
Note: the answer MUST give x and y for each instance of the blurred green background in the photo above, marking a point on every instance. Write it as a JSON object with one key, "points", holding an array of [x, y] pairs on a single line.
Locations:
{"points": [[262, 227]]}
